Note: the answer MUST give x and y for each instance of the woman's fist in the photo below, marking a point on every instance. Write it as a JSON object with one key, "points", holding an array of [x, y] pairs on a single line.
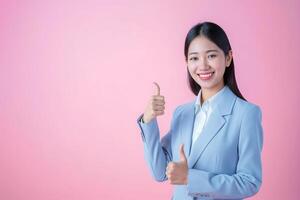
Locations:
{"points": [[155, 107]]}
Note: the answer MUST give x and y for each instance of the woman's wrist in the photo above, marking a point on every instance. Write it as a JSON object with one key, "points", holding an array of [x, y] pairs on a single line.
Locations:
{"points": [[145, 120]]}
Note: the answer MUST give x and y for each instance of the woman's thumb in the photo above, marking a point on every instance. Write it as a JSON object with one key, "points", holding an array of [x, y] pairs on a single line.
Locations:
{"points": [[181, 153]]}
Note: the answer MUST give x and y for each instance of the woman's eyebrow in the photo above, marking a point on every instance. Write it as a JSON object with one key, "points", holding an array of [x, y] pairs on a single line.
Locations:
{"points": [[211, 50], [193, 53], [207, 51]]}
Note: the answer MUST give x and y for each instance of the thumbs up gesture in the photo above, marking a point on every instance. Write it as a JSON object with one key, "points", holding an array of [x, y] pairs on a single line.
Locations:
{"points": [[155, 107], [177, 172]]}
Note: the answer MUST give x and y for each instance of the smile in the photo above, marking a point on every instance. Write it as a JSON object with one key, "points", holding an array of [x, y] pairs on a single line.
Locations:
{"points": [[205, 76]]}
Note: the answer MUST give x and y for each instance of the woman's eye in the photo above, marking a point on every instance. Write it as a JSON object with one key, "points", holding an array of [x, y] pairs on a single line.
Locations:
{"points": [[212, 56], [193, 58]]}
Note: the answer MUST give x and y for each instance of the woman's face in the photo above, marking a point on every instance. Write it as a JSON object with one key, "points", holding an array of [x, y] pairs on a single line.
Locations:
{"points": [[206, 63]]}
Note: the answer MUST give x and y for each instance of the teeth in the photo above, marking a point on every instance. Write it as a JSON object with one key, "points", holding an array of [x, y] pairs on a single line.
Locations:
{"points": [[205, 75]]}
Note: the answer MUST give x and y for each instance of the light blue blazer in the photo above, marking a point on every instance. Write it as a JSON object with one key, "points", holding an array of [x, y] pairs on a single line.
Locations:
{"points": [[225, 161]]}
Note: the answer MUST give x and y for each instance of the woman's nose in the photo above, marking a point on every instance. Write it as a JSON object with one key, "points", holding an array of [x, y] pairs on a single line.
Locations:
{"points": [[202, 64]]}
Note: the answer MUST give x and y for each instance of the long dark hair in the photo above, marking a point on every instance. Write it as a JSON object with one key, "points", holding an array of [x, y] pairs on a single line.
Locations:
{"points": [[217, 35]]}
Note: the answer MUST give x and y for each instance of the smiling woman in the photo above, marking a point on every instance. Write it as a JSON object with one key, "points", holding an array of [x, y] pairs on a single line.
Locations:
{"points": [[207, 45], [206, 64], [213, 148]]}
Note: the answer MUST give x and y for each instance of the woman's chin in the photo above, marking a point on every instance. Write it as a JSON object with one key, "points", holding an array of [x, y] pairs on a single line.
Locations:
{"points": [[206, 85]]}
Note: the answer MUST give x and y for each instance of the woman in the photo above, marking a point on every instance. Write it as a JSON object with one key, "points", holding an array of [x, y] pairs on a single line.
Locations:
{"points": [[213, 148]]}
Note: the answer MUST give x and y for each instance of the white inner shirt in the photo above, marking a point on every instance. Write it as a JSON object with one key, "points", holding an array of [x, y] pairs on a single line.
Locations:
{"points": [[202, 113]]}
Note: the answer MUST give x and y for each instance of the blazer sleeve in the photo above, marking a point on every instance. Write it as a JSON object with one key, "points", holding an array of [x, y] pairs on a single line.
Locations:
{"points": [[248, 177], [157, 152]]}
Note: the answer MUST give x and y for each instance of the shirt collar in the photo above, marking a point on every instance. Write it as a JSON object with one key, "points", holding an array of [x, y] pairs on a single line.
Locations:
{"points": [[211, 102]]}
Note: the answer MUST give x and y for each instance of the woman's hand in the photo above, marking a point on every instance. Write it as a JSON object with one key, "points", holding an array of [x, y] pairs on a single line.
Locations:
{"points": [[177, 172], [155, 107]]}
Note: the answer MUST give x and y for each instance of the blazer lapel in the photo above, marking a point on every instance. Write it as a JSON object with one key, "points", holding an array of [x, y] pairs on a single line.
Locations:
{"points": [[216, 121], [214, 124]]}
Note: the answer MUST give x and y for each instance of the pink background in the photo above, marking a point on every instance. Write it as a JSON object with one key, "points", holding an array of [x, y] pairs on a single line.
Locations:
{"points": [[75, 75]]}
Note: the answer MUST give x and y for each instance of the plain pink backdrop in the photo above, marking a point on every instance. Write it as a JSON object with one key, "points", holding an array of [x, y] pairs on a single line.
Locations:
{"points": [[75, 75]]}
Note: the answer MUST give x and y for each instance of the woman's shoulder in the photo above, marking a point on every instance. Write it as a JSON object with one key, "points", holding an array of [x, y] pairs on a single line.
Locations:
{"points": [[245, 104], [184, 107], [245, 107]]}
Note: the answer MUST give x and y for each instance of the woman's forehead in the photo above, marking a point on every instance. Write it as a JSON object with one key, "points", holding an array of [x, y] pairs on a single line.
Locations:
{"points": [[202, 45]]}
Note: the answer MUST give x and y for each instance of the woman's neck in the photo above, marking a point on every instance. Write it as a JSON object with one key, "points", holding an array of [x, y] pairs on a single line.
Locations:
{"points": [[207, 93]]}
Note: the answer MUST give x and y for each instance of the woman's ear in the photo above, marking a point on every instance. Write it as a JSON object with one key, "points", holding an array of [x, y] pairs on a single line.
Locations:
{"points": [[229, 58]]}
